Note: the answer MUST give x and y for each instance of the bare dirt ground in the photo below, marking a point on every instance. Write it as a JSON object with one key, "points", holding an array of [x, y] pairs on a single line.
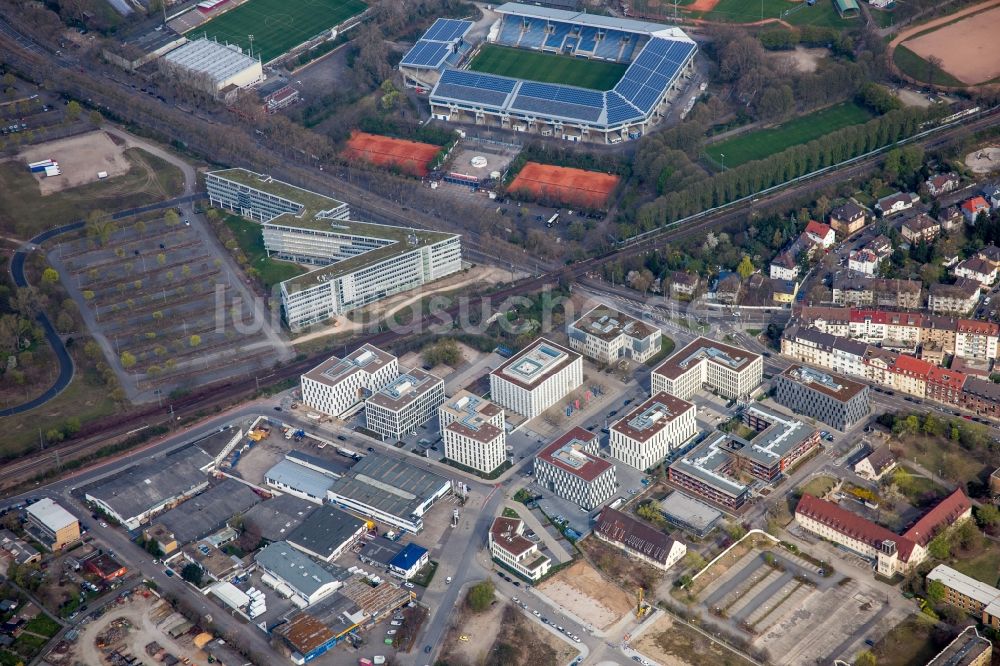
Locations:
{"points": [[671, 643], [912, 98], [967, 48], [984, 160], [143, 613], [481, 630], [590, 597], [803, 59], [80, 158]]}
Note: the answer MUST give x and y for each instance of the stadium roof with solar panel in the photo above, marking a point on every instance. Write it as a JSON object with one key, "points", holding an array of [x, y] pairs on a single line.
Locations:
{"points": [[655, 58]]}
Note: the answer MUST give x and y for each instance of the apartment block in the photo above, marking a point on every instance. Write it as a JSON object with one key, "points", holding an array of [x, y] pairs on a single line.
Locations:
{"points": [[959, 298], [832, 399], [974, 597], [536, 378], [473, 432], [730, 371], [404, 404], [606, 335], [338, 386], [571, 468], [644, 437]]}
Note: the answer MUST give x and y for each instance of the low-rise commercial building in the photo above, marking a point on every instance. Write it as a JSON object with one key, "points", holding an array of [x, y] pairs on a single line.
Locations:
{"points": [[638, 539], [327, 533], [690, 514], [338, 387], [207, 512], [308, 580], [509, 547], [890, 553], [276, 518], [606, 335], [217, 69], [390, 491], [647, 434], [536, 378], [730, 371], [288, 476], [404, 404], [571, 468], [473, 430], [409, 561], [52, 525], [832, 399]]}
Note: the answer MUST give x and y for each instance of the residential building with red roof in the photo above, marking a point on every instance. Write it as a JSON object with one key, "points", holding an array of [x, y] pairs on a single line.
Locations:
{"points": [[820, 233], [509, 546], [891, 553], [571, 468], [971, 208]]}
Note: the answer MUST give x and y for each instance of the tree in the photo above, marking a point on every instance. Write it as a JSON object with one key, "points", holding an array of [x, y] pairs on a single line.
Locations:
{"points": [[50, 276], [866, 658], [194, 340], [96, 118], [128, 359], [192, 573], [939, 547], [935, 590], [480, 596], [171, 218], [73, 110], [444, 352], [987, 516], [745, 269]]}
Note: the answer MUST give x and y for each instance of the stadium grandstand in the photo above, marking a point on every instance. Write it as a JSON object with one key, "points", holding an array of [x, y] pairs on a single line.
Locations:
{"points": [[443, 45], [655, 57]]}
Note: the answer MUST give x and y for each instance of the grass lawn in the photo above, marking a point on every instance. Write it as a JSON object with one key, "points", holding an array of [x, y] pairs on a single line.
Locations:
{"points": [[278, 26], [919, 490], [909, 642], [984, 567], [762, 143], [248, 235], [819, 486], [914, 66], [883, 19], [24, 212], [666, 349], [547, 67], [43, 625], [822, 13]]}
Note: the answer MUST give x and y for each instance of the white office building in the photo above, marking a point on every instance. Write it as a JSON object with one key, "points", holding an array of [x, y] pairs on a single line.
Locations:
{"points": [[357, 263], [644, 437], [536, 378], [730, 371], [509, 547], [606, 335], [403, 404], [339, 386], [473, 432], [571, 468]]}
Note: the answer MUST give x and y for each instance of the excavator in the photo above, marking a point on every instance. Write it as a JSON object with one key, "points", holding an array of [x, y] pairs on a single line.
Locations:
{"points": [[641, 608]]}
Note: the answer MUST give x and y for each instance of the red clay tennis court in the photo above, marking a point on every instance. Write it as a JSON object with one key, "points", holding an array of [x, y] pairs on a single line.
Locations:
{"points": [[412, 157], [588, 189]]}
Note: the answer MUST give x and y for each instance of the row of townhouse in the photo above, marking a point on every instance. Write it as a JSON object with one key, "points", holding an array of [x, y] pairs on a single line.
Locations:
{"points": [[900, 372], [860, 291], [930, 337]]}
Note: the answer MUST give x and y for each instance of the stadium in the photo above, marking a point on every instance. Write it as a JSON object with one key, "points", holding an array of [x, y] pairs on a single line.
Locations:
{"points": [[559, 73]]}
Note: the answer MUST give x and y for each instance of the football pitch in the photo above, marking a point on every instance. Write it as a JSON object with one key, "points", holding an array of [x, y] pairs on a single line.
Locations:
{"points": [[762, 143], [547, 67], [277, 26]]}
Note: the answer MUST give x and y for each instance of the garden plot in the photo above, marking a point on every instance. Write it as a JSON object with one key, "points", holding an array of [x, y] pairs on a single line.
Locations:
{"points": [[163, 307]]}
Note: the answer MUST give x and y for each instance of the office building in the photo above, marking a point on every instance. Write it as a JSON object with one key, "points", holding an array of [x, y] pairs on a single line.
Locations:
{"points": [[644, 437], [356, 263], [409, 561], [571, 468], [52, 525], [509, 547], [606, 335], [638, 539], [390, 491], [404, 404], [710, 472], [729, 371], [473, 432], [536, 378], [339, 386], [836, 401]]}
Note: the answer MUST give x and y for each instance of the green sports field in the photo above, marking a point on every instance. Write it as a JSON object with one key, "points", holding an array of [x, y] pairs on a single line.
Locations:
{"points": [[821, 14], [277, 26], [758, 145], [547, 67]]}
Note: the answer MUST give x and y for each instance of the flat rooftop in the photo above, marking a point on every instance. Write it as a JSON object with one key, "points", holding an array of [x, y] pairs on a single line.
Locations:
{"points": [[568, 454], [50, 514], [703, 349], [299, 477], [836, 386], [366, 358], [966, 649], [682, 508], [209, 58], [406, 389], [709, 463], [774, 442], [965, 585], [472, 415], [607, 324], [209, 511], [316, 213], [325, 530], [151, 483], [277, 517], [581, 18], [535, 363], [652, 416], [300, 571], [392, 486]]}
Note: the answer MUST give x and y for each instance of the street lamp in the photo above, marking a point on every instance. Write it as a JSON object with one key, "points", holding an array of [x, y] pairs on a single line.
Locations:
{"points": [[723, 161]]}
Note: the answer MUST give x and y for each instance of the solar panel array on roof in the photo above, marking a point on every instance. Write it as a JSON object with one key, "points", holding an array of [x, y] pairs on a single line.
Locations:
{"points": [[433, 48], [475, 88], [649, 74], [426, 54], [552, 99]]}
